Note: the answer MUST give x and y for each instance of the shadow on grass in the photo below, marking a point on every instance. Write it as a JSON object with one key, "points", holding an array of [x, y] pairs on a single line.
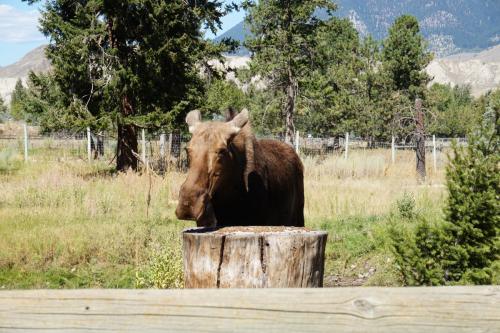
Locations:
{"points": [[103, 172]]}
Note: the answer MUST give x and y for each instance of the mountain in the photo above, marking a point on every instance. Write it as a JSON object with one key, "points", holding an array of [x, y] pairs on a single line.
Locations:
{"points": [[450, 26], [34, 60], [479, 70]]}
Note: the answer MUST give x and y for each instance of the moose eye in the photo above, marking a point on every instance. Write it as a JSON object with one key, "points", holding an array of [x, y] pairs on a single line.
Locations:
{"points": [[221, 152]]}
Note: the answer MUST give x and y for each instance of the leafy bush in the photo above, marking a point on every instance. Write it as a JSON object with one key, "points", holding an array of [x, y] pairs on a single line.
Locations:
{"points": [[406, 206], [164, 270], [463, 249]]}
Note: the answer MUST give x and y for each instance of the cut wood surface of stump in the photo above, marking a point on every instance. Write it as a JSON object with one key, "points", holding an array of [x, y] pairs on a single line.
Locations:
{"points": [[253, 257]]}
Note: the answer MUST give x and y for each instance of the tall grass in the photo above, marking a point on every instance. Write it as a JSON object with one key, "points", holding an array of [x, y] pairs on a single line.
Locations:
{"points": [[65, 223]]}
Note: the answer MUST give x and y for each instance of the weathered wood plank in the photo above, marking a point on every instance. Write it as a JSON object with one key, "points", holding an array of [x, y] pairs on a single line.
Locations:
{"points": [[439, 309]]}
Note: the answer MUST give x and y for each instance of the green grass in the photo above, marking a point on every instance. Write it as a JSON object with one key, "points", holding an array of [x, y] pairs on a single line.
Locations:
{"points": [[67, 224]]}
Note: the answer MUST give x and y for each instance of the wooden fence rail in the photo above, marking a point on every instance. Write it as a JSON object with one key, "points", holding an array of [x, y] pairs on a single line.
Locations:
{"points": [[437, 309]]}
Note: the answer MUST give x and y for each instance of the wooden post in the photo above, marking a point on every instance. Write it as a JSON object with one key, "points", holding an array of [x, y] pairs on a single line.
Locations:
{"points": [[25, 143], [434, 157], [162, 145], [346, 151], [297, 138], [393, 150], [420, 140], [143, 155], [89, 145], [253, 257]]}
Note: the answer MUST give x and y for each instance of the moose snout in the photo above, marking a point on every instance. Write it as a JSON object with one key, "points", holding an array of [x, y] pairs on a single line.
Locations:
{"points": [[191, 202]]}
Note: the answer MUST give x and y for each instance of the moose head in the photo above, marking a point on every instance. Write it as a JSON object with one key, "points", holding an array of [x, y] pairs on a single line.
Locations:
{"points": [[220, 158]]}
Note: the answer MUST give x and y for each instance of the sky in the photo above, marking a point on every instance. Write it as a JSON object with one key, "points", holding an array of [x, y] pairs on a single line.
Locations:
{"points": [[19, 32]]}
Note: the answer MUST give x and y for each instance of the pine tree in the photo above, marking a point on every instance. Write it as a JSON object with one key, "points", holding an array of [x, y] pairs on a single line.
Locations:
{"points": [[281, 44], [3, 109], [473, 208], [17, 97], [331, 91], [405, 56], [129, 63], [463, 249]]}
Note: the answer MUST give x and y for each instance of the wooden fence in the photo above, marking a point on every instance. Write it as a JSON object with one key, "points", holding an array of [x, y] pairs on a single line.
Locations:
{"points": [[435, 309]]}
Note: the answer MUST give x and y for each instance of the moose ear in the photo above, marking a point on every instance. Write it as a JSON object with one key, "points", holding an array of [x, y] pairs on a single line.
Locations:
{"points": [[230, 113], [193, 118], [239, 121]]}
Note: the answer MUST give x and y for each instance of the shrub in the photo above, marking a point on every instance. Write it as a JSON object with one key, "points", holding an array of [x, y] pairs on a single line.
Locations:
{"points": [[164, 269], [463, 249], [406, 206]]}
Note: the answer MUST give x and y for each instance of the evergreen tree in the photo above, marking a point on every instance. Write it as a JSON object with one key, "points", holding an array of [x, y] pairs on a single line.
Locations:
{"points": [[405, 57], [454, 110], [3, 109], [464, 249], [222, 95], [16, 101], [129, 63], [282, 46], [331, 91]]}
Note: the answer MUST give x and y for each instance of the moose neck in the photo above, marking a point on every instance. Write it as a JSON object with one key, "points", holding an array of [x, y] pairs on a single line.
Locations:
{"points": [[234, 185]]}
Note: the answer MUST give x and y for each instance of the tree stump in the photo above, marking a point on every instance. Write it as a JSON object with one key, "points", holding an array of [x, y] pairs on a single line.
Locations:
{"points": [[253, 257]]}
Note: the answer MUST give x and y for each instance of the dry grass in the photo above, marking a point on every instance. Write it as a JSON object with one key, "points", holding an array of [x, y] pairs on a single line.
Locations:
{"points": [[65, 223]]}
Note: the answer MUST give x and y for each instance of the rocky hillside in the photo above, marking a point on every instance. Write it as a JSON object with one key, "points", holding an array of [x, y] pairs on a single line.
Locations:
{"points": [[450, 26], [34, 60], [479, 70]]}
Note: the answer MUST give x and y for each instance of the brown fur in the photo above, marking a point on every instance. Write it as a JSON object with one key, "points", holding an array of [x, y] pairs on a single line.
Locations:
{"points": [[235, 179]]}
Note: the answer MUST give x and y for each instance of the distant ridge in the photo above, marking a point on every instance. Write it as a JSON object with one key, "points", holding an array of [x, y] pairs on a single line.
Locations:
{"points": [[450, 26], [34, 60]]}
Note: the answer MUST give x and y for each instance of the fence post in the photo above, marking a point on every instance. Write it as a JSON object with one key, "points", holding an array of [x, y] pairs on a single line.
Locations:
{"points": [[297, 138], [346, 151], [434, 157], [162, 145], [143, 155], [393, 149], [25, 143], [89, 145]]}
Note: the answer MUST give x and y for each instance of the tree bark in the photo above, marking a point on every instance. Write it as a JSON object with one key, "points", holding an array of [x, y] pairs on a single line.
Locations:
{"points": [[253, 257], [420, 140], [291, 94], [127, 146]]}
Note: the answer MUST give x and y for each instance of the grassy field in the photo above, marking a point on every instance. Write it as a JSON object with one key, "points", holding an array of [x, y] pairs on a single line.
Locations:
{"points": [[67, 224]]}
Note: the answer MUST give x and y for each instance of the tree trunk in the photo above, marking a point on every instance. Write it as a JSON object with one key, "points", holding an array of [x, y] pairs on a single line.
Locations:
{"points": [[126, 148], [420, 140], [291, 94], [253, 257]]}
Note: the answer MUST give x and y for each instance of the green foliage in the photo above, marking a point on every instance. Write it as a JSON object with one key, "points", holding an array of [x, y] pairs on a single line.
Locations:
{"points": [[282, 46], [463, 249], [222, 94], [16, 101], [3, 110], [330, 92], [405, 56], [164, 269], [454, 111], [124, 64], [406, 206]]}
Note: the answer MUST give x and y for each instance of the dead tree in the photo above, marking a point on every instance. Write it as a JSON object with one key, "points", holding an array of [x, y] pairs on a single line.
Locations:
{"points": [[420, 140]]}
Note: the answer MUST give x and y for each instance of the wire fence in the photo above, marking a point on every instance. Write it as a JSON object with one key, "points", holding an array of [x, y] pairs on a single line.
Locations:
{"points": [[166, 151]]}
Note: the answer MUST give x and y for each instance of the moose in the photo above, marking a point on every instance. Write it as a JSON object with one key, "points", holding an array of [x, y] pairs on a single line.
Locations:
{"points": [[236, 180]]}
